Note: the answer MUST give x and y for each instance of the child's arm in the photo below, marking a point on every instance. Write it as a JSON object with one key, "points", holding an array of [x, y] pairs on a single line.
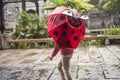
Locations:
{"points": [[55, 51]]}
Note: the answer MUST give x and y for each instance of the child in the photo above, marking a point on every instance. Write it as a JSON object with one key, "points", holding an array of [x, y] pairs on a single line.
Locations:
{"points": [[64, 62], [66, 52]]}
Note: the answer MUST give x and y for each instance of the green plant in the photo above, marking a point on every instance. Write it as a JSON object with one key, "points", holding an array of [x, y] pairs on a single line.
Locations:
{"points": [[79, 5], [113, 31], [110, 4], [30, 27], [96, 42], [92, 42], [27, 25], [84, 43]]}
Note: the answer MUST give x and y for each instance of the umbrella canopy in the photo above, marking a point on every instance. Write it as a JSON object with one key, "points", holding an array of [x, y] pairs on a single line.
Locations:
{"points": [[65, 29]]}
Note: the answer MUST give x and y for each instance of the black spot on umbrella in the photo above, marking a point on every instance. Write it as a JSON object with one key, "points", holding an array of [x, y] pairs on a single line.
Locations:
{"points": [[62, 17], [55, 33], [67, 42], [73, 31], [51, 19], [65, 26], [75, 38], [56, 23], [64, 34]]}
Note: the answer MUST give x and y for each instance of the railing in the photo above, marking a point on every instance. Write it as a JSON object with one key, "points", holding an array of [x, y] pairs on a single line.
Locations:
{"points": [[50, 39], [87, 37], [10, 41]]}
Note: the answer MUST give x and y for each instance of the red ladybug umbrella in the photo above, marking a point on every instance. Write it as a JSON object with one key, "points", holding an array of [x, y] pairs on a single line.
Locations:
{"points": [[64, 28]]}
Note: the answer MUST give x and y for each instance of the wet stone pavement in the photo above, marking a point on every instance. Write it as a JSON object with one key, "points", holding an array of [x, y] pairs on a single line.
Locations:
{"points": [[87, 63]]}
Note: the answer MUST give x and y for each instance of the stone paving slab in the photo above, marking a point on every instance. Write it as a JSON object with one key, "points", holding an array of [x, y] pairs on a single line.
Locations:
{"points": [[88, 63]]}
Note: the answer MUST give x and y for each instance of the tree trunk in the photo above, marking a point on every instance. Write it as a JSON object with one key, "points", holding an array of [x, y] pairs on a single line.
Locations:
{"points": [[1, 17], [1, 23], [37, 6], [24, 5]]}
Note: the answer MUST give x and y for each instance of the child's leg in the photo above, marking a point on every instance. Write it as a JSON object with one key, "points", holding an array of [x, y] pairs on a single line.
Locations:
{"points": [[60, 69], [66, 64]]}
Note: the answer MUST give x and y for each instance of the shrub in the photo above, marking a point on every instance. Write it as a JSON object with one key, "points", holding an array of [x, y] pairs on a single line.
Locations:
{"points": [[30, 27], [113, 31]]}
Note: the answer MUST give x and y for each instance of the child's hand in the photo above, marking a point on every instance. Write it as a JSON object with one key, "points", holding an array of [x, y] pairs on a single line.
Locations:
{"points": [[50, 57]]}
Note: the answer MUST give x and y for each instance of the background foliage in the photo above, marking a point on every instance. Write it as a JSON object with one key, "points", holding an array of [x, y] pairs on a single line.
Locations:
{"points": [[110, 4], [79, 5], [29, 27]]}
